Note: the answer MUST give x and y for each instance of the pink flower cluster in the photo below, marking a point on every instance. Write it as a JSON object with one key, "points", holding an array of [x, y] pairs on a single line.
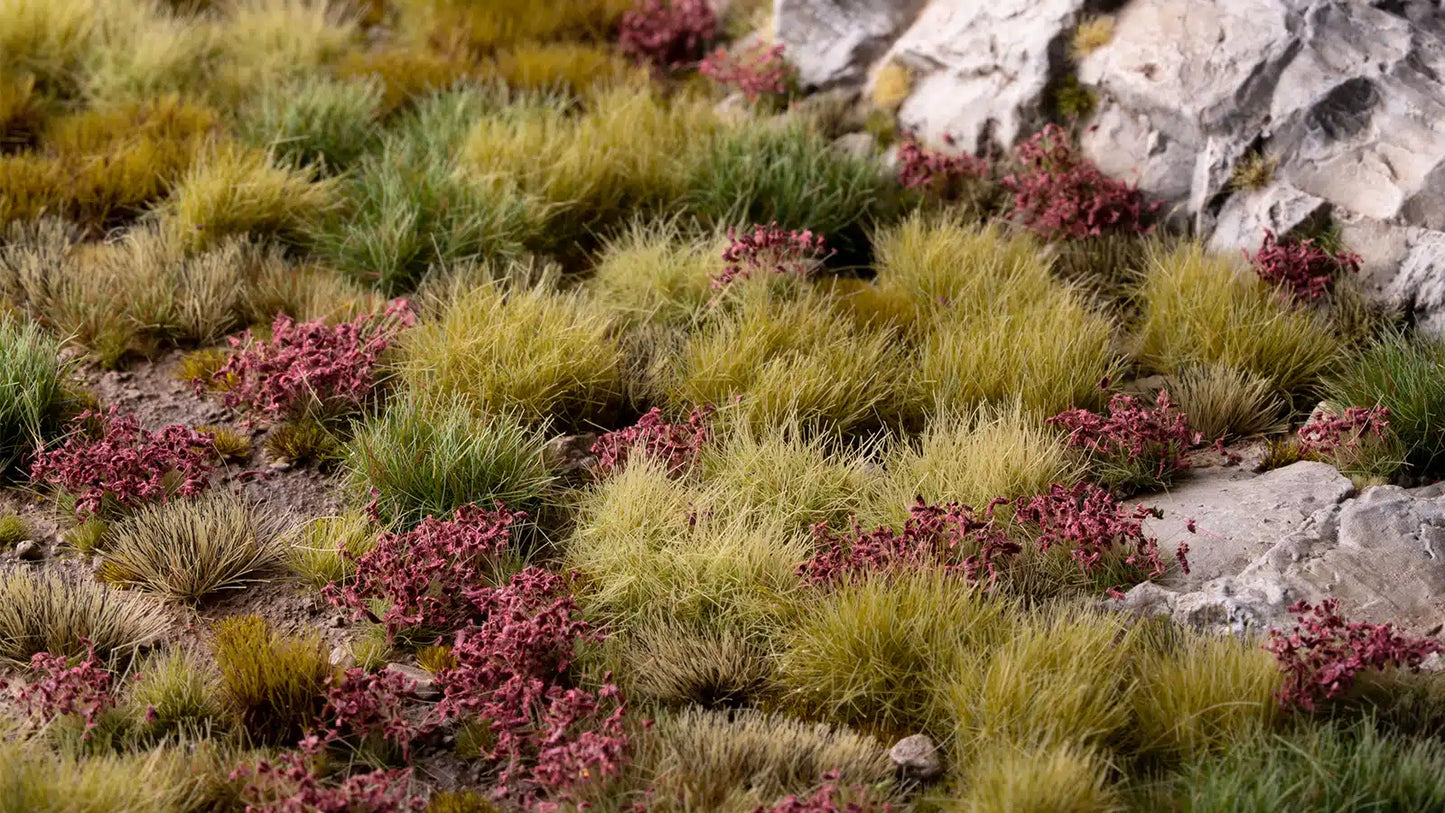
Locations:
{"points": [[1059, 194], [1087, 521], [825, 800], [308, 366], [59, 689], [1300, 267], [423, 574], [1132, 432], [362, 704], [770, 248], [675, 444], [953, 536], [668, 33], [935, 171], [1324, 653], [1327, 432], [759, 71], [127, 465], [291, 785], [512, 664]]}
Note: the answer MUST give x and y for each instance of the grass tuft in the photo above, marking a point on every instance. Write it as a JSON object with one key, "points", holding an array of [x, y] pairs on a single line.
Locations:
{"points": [[540, 355], [702, 760], [33, 377], [315, 121], [324, 551], [189, 550], [177, 691], [13, 530], [1401, 372], [418, 459], [1223, 402], [1204, 309], [1057, 778], [233, 190], [272, 683], [48, 612]]}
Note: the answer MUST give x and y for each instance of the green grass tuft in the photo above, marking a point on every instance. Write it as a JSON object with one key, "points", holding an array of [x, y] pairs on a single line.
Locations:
{"points": [[418, 459], [1402, 372]]}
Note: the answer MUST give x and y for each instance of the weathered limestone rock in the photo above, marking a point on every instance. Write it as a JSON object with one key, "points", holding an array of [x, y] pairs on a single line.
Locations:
{"points": [[834, 41], [1379, 553], [981, 69]]}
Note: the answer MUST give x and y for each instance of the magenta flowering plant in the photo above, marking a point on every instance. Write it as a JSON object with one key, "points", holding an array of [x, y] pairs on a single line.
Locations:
{"points": [[291, 784], [668, 34], [1300, 268], [307, 368], [512, 673], [122, 465], [759, 71], [941, 174], [770, 249], [676, 445], [952, 536], [420, 576], [827, 800], [1327, 433], [363, 705], [1090, 523], [1134, 445], [60, 689], [1059, 194], [1324, 653]]}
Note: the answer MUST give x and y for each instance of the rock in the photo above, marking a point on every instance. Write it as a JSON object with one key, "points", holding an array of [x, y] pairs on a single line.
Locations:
{"points": [[856, 145], [916, 758], [423, 682], [1380, 554], [1343, 97], [570, 456], [834, 41], [981, 69], [341, 657], [1238, 515], [280, 464], [28, 550]]}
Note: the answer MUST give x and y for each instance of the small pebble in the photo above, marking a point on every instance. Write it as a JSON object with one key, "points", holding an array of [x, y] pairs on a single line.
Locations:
{"points": [[280, 464], [28, 550]]}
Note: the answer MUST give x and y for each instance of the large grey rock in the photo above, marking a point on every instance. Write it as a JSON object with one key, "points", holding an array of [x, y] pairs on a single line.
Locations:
{"points": [[1345, 96], [916, 758], [833, 41], [1380, 554], [1238, 515], [981, 69]]}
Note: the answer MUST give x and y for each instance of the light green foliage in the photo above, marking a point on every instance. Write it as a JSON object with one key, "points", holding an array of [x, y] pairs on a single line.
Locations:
{"points": [[874, 654], [1206, 309], [177, 690], [788, 175], [1202, 693], [13, 530], [33, 778], [32, 388], [428, 459], [406, 208], [1322, 766], [671, 664], [653, 274], [972, 459], [645, 549], [785, 475], [315, 120], [324, 550], [780, 362], [1054, 779], [189, 549], [48, 612], [303, 440], [534, 352]]}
